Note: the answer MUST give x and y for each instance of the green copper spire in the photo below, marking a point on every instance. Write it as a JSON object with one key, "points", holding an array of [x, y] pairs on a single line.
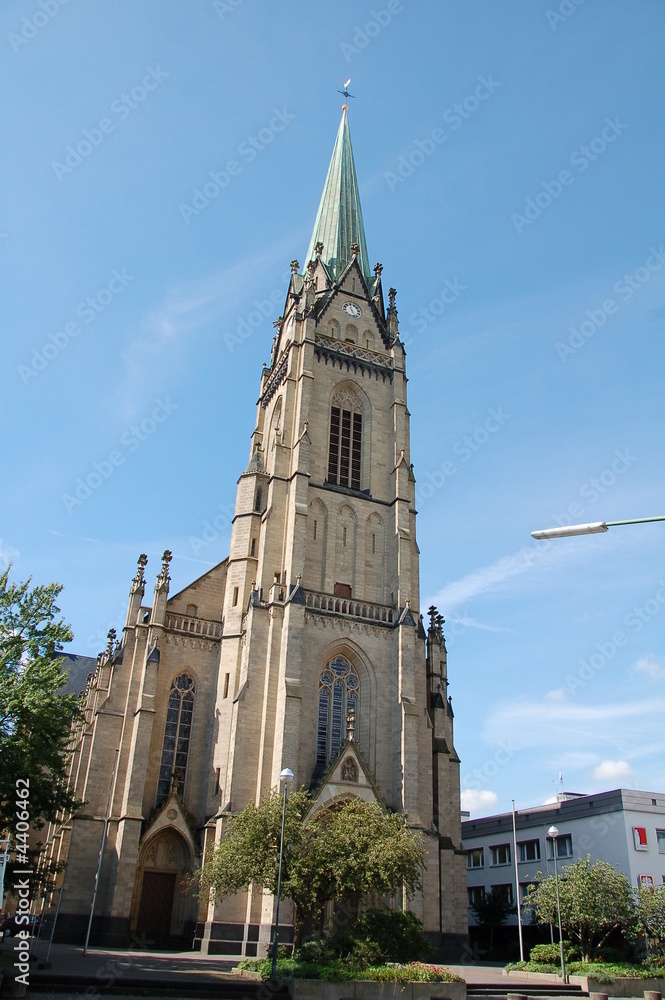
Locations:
{"points": [[339, 220]]}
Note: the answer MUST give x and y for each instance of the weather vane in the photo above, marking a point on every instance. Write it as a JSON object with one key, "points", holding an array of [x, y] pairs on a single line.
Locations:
{"points": [[345, 92]]}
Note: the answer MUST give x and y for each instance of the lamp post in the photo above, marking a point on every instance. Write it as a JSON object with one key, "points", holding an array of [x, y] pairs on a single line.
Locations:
{"points": [[285, 778], [517, 886], [590, 528], [553, 833]]}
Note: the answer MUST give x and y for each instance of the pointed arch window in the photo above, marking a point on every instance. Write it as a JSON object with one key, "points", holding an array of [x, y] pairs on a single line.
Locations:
{"points": [[339, 691], [177, 734], [345, 441]]}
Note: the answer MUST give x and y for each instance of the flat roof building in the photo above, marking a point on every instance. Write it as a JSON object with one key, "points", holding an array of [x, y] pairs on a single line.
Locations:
{"points": [[624, 827]]}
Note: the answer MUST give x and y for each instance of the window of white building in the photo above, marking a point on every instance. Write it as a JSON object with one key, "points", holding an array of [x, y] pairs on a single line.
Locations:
{"points": [[564, 846], [500, 854], [529, 850], [475, 893], [475, 858], [660, 837], [504, 889]]}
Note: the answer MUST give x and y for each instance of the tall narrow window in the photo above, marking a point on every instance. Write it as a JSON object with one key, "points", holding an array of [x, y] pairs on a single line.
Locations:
{"points": [[345, 444], [175, 748], [339, 691]]}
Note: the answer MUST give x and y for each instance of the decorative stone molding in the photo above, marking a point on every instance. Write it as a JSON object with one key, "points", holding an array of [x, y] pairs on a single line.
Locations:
{"points": [[275, 378], [195, 627], [354, 357]]}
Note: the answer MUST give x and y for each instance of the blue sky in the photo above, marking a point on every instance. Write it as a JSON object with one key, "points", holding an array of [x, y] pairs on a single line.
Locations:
{"points": [[510, 161]]}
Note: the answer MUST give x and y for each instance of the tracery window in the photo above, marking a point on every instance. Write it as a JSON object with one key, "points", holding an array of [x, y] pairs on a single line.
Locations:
{"points": [[177, 733], [345, 443], [339, 691]]}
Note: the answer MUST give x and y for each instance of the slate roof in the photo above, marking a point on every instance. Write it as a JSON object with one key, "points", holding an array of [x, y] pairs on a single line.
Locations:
{"points": [[79, 667]]}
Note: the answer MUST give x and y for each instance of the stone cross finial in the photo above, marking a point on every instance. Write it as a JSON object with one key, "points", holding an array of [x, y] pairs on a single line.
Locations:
{"points": [[164, 578], [391, 295], [351, 724], [295, 266], [138, 582], [355, 249], [318, 249], [378, 268], [111, 641], [311, 267], [431, 611]]}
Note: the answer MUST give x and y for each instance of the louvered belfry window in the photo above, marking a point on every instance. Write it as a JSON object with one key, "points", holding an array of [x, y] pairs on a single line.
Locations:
{"points": [[345, 445]]}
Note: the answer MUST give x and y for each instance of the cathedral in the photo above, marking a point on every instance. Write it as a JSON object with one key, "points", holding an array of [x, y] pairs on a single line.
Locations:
{"points": [[304, 649]]}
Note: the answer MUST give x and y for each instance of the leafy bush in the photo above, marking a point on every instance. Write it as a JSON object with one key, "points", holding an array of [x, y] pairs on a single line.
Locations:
{"points": [[656, 960], [382, 936], [604, 972], [550, 954], [414, 972], [339, 971], [315, 950]]}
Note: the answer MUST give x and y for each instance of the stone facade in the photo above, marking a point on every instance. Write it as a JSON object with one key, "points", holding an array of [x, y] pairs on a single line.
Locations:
{"points": [[254, 667]]}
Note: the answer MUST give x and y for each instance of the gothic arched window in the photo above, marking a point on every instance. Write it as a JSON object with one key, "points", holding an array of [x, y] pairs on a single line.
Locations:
{"points": [[345, 443], [175, 748], [339, 691]]}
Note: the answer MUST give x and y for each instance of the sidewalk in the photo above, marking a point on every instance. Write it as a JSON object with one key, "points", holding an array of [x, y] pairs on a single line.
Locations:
{"points": [[105, 965]]}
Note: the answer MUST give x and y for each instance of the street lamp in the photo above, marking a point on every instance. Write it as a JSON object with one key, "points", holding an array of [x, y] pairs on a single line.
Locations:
{"points": [[590, 528], [285, 778], [553, 833]]}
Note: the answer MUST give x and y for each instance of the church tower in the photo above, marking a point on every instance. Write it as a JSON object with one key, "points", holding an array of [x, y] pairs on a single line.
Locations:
{"points": [[312, 620], [322, 586]]}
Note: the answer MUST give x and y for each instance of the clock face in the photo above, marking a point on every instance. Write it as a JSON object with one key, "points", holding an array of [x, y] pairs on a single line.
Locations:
{"points": [[352, 309]]}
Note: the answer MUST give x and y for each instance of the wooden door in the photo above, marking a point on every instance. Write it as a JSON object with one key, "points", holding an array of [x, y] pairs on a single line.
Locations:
{"points": [[156, 905]]}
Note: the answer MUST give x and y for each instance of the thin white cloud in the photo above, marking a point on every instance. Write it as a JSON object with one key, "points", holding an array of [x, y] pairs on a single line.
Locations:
{"points": [[633, 730], [473, 800], [577, 761], [492, 577], [613, 770], [219, 299], [467, 622], [7, 555], [557, 695], [648, 665]]}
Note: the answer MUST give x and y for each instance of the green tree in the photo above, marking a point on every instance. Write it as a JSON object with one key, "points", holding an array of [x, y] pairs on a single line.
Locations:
{"points": [[492, 910], [345, 853], [34, 718], [595, 901], [650, 917]]}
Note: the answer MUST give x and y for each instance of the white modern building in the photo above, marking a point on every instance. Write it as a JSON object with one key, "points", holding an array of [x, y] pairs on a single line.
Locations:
{"points": [[624, 827]]}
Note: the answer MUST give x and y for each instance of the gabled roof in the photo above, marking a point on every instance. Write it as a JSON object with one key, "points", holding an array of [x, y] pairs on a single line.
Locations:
{"points": [[339, 220], [333, 785]]}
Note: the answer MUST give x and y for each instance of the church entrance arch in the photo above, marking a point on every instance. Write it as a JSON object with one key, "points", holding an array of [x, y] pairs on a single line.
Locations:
{"points": [[164, 909]]}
